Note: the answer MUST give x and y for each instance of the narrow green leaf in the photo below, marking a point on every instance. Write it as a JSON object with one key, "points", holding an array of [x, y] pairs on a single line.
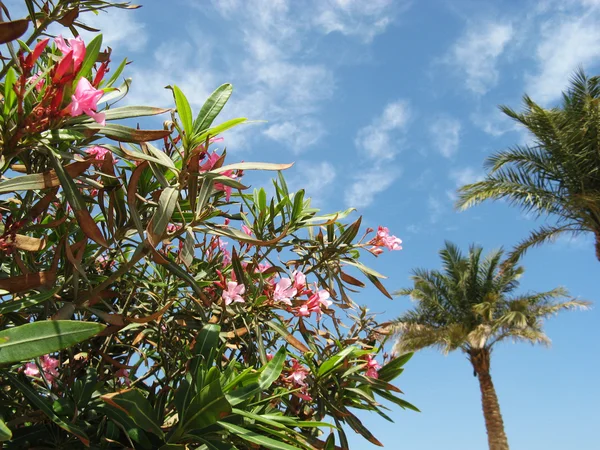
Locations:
{"points": [[207, 342], [207, 407], [127, 112], [212, 107], [166, 205], [256, 438], [215, 131], [137, 407], [5, 433], [334, 361], [394, 368], [252, 166], [398, 401], [92, 49], [41, 404], [10, 96], [123, 133], [184, 110], [40, 338], [116, 73], [23, 303]]}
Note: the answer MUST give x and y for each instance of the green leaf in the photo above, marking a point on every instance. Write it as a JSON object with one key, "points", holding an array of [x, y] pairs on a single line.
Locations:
{"points": [[394, 368], [252, 166], [127, 112], [215, 131], [136, 406], [212, 107], [334, 361], [10, 96], [398, 401], [207, 342], [5, 433], [187, 252], [92, 49], [267, 377], [166, 205], [123, 133], [23, 303], [40, 338], [116, 73], [256, 438], [207, 407], [184, 111], [43, 406]]}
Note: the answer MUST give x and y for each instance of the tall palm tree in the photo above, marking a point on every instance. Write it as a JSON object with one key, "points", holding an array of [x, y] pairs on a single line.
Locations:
{"points": [[558, 174], [470, 305]]}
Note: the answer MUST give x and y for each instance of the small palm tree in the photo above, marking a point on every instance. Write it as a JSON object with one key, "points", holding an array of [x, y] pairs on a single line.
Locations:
{"points": [[470, 306], [558, 174]]}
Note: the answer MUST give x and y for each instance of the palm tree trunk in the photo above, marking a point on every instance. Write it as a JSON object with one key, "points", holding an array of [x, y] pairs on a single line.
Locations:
{"points": [[480, 359]]}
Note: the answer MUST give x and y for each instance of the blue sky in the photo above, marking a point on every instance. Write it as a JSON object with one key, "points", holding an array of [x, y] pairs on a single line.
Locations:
{"points": [[388, 106]]}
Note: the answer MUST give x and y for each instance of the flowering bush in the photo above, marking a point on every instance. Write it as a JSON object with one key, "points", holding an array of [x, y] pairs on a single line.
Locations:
{"points": [[148, 300]]}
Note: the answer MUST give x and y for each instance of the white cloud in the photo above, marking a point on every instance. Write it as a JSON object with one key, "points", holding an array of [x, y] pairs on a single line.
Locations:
{"points": [[445, 133], [495, 123], [360, 18], [466, 175], [369, 183], [566, 42], [298, 134], [314, 178], [475, 54], [436, 208], [119, 27], [379, 140]]}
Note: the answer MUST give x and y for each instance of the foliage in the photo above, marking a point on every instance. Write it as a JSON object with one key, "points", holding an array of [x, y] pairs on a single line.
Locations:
{"points": [[471, 304], [556, 174], [148, 299]]}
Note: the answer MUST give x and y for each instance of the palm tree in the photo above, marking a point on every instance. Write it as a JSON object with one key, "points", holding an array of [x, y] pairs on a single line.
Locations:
{"points": [[471, 306], [558, 174]]}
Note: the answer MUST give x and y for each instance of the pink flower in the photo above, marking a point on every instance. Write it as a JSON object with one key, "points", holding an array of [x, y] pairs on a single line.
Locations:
{"points": [[74, 47], [284, 291], [99, 153], [299, 280], [105, 263], [298, 375], [247, 230], [209, 163], [372, 367], [123, 373], [234, 292], [49, 366], [262, 267], [85, 100], [38, 80], [314, 303], [297, 378], [390, 242], [270, 356], [384, 239], [172, 228]]}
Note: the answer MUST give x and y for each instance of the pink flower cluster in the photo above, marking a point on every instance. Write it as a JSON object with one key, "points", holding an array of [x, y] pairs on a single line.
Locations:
{"points": [[48, 365], [372, 367], [85, 98], [297, 378], [384, 239]]}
